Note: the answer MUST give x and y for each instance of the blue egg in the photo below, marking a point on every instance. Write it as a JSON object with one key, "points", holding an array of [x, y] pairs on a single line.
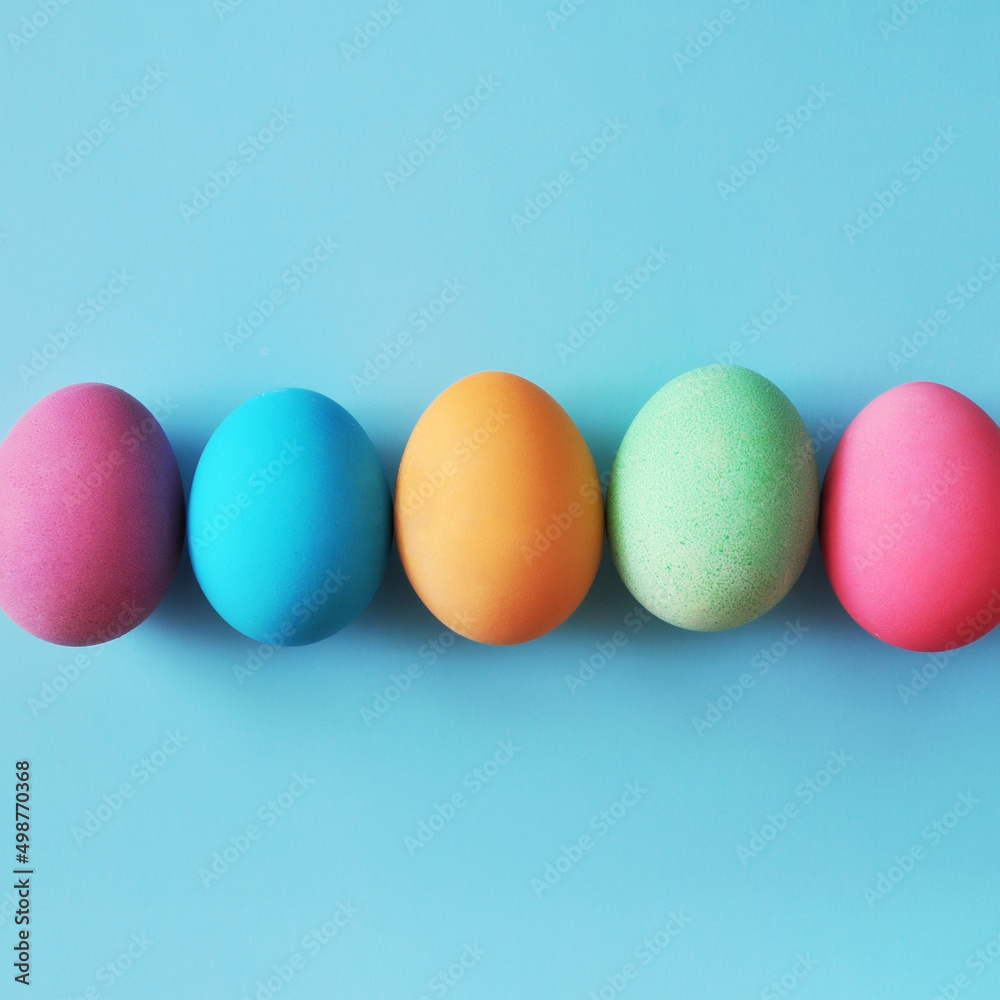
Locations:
{"points": [[290, 518]]}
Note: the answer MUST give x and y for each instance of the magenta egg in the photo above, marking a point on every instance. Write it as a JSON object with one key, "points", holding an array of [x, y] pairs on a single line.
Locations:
{"points": [[91, 515], [910, 518]]}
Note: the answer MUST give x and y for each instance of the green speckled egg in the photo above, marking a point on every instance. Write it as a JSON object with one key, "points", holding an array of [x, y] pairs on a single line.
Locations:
{"points": [[713, 499]]}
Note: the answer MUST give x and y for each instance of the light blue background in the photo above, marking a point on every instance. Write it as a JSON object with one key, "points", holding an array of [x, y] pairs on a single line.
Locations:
{"points": [[655, 185]]}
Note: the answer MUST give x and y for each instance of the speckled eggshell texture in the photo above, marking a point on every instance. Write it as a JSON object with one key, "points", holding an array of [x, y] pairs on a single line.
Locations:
{"points": [[713, 499], [499, 510], [91, 515], [910, 529]]}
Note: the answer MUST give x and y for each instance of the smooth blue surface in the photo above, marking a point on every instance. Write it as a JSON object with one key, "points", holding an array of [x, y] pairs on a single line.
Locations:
{"points": [[289, 518], [382, 768]]}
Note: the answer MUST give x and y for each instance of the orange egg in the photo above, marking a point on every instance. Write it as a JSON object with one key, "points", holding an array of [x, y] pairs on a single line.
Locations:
{"points": [[499, 510]]}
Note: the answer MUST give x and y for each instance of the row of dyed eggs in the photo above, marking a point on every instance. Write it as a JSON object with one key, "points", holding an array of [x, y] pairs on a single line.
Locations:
{"points": [[712, 509]]}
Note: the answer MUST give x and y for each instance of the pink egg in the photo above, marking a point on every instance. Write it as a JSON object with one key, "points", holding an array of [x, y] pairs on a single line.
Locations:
{"points": [[91, 515], [910, 519]]}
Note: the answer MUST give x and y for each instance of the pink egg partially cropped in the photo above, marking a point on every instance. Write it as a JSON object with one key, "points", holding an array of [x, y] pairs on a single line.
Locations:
{"points": [[910, 519], [91, 515]]}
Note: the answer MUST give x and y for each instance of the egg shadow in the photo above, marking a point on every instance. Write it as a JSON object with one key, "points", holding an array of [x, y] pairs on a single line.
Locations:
{"points": [[185, 607], [396, 615]]}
